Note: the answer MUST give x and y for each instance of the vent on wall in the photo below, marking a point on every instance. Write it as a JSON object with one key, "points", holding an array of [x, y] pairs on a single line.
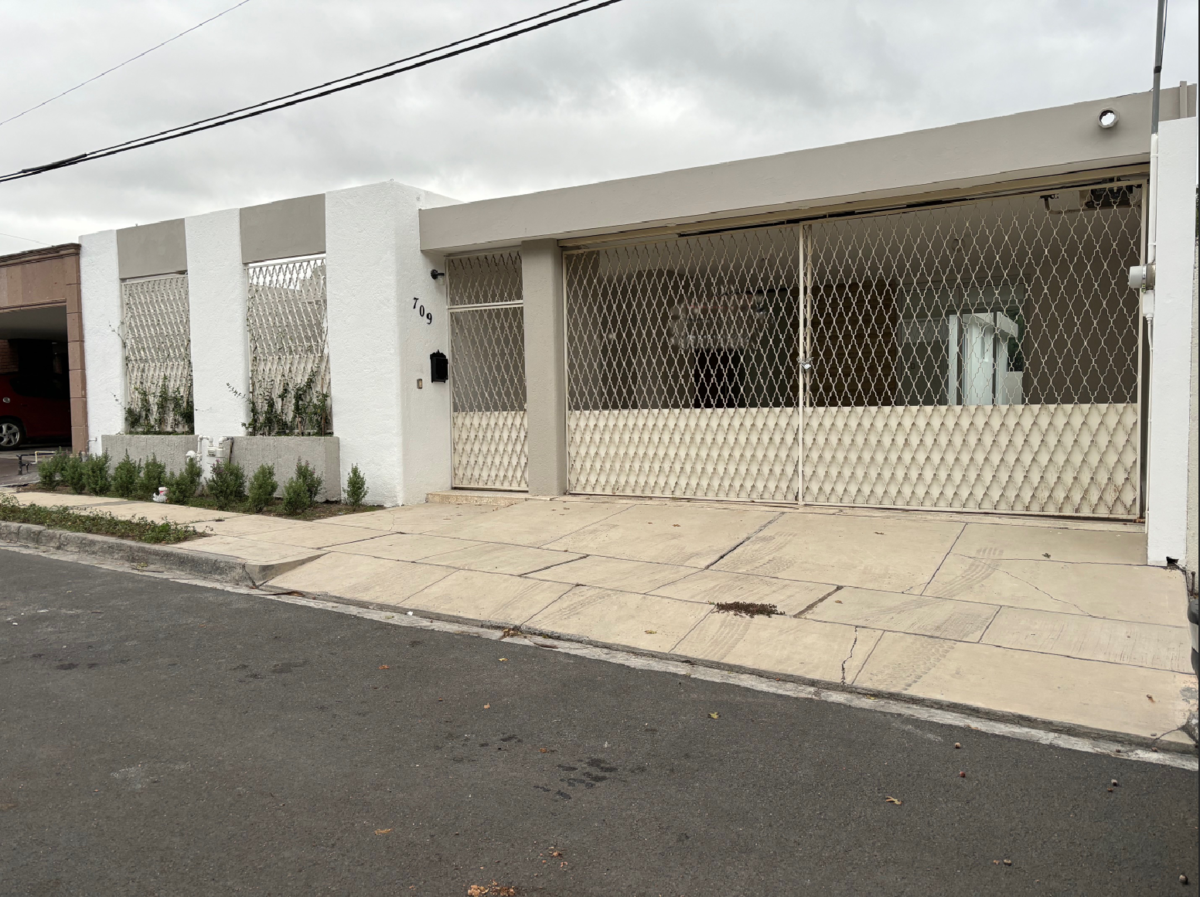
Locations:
{"points": [[1119, 196]]}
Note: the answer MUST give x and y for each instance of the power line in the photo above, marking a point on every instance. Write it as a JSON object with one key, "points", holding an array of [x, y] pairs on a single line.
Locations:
{"points": [[26, 239], [342, 80], [125, 63], [367, 76]]}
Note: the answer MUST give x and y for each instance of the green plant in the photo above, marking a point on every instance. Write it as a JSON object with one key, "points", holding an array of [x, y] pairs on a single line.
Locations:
{"points": [[154, 474], [292, 410], [312, 483], [167, 411], [50, 471], [96, 476], [296, 499], [74, 474], [356, 487], [262, 487], [183, 486], [139, 529], [227, 484], [126, 477]]}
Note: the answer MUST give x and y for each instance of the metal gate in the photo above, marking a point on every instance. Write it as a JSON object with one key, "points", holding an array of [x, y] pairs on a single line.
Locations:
{"points": [[487, 371], [682, 374], [983, 355], [980, 355]]}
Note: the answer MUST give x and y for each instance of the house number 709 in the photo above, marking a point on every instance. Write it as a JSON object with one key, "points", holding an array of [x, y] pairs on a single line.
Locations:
{"points": [[427, 315]]}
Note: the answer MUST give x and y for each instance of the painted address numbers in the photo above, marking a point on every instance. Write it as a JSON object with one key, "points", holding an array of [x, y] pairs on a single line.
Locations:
{"points": [[420, 309]]}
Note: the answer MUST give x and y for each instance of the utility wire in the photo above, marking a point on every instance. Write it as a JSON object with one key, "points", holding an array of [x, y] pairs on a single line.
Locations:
{"points": [[342, 80], [26, 239], [125, 63], [367, 76]]}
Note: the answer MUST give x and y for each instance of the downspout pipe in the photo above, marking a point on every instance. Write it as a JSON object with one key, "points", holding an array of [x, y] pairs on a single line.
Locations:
{"points": [[1142, 277]]}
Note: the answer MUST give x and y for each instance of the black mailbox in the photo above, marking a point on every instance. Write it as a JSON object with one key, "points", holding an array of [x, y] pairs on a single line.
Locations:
{"points": [[439, 368]]}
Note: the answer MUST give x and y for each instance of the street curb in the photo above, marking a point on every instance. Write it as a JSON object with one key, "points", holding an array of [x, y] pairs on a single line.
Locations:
{"points": [[227, 569], [827, 685], [222, 568]]}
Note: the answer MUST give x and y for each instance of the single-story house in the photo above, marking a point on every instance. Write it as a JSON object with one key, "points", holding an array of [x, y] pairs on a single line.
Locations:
{"points": [[939, 319]]}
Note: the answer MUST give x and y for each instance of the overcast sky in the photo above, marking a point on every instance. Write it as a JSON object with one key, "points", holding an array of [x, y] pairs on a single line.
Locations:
{"points": [[643, 86]]}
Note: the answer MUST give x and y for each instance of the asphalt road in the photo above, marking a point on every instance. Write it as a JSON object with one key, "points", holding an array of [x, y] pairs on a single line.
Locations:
{"points": [[163, 739]]}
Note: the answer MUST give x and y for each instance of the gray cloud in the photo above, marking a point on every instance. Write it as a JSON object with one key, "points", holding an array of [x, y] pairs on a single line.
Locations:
{"points": [[645, 86]]}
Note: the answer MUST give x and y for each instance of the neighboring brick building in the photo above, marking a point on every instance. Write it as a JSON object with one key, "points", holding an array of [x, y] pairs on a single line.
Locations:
{"points": [[39, 301]]}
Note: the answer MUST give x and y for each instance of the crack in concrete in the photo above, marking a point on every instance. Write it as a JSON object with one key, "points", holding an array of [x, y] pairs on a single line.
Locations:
{"points": [[813, 606], [850, 655], [743, 542], [1038, 588]]}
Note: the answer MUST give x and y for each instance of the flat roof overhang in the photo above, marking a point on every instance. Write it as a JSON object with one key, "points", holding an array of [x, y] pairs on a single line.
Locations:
{"points": [[977, 156]]}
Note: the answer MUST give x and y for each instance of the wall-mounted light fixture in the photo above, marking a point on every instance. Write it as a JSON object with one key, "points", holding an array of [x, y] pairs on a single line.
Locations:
{"points": [[1108, 119], [435, 273]]}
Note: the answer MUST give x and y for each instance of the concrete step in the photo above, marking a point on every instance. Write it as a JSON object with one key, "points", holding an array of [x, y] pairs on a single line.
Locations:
{"points": [[476, 497]]}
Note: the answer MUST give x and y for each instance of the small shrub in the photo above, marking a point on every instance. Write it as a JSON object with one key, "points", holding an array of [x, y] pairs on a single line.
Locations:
{"points": [[312, 483], [74, 474], [50, 471], [126, 477], [227, 484], [96, 475], [183, 486], [296, 498], [356, 487], [262, 487], [154, 474]]}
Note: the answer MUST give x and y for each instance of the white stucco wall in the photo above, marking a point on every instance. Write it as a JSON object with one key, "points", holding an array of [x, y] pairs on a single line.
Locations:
{"points": [[425, 413], [1191, 561], [217, 308], [104, 360], [1170, 373], [379, 346]]}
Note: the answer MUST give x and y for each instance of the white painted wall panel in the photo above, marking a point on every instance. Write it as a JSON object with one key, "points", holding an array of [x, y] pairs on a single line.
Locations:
{"points": [[1170, 374], [100, 290], [217, 310], [379, 345]]}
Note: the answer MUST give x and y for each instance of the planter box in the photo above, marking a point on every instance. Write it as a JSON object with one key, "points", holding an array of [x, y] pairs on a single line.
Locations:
{"points": [[170, 450], [321, 453]]}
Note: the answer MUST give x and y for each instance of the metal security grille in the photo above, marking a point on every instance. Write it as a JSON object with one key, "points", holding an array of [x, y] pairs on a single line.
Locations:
{"points": [[289, 359], [487, 371], [158, 357], [682, 366], [981, 356]]}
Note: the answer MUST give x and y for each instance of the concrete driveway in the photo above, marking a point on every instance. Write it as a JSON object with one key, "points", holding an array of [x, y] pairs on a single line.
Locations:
{"points": [[1044, 620]]}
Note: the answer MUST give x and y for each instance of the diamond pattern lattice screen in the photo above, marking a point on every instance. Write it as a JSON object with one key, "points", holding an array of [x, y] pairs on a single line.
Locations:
{"points": [[487, 371], [287, 327], [158, 358], [683, 368], [980, 356]]}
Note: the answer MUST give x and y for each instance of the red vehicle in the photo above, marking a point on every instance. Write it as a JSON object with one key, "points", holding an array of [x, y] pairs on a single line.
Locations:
{"points": [[33, 406]]}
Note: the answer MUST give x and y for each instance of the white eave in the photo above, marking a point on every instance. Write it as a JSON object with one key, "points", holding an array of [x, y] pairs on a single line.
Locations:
{"points": [[974, 155]]}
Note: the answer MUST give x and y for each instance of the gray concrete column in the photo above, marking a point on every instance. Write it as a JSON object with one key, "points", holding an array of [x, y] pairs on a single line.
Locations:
{"points": [[545, 377]]}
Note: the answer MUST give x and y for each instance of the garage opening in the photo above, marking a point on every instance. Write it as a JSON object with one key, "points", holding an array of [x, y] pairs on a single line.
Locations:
{"points": [[982, 355], [682, 372], [979, 355]]}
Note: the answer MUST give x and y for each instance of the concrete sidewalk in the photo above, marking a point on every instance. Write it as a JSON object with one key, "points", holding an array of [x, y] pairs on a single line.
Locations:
{"points": [[1044, 620]]}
